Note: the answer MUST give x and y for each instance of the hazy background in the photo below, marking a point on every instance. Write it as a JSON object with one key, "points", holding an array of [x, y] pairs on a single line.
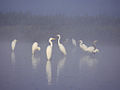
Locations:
{"points": [[36, 20], [65, 7]]}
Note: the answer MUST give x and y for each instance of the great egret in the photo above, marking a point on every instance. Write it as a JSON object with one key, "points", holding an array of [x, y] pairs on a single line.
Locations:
{"points": [[74, 42], [35, 47], [61, 47], [49, 49], [83, 46], [13, 44], [91, 49]]}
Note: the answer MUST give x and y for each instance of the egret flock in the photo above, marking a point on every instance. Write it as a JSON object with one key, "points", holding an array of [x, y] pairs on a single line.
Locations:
{"points": [[35, 46]]}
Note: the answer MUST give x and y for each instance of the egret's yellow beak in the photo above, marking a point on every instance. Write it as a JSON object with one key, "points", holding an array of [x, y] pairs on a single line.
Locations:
{"points": [[53, 38]]}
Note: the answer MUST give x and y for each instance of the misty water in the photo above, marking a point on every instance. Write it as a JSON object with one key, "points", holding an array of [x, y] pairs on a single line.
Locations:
{"points": [[76, 71]]}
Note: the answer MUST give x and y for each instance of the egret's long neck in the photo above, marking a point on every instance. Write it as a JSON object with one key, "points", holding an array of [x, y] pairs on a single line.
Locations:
{"points": [[51, 44], [15, 42], [59, 39]]}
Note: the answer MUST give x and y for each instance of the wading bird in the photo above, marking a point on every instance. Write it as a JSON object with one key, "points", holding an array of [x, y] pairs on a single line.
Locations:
{"points": [[49, 49], [35, 47], [91, 49], [13, 44], [83, 46], [61, 47]]}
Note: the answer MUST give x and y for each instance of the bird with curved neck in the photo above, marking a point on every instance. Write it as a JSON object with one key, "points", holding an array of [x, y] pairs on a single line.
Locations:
{"points": [[49, 49], [61, 47], [91, 49]]}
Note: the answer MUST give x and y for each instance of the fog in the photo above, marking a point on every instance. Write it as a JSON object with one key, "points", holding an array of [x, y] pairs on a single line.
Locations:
{"points": [[29, 28], [78, 70]]}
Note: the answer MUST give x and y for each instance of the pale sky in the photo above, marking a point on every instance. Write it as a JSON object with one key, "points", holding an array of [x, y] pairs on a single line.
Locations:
{"points": [[65, 7]]}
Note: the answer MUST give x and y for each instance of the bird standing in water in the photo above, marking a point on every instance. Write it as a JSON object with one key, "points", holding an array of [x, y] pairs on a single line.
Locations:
{"points": [[49, 49], [13, 44], [35, 47], [91, 49], [61, 47]]}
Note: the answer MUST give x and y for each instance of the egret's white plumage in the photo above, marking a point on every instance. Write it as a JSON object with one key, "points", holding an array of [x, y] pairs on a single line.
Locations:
{"points": [[83, 46], [61, 47], [74, 42], [35, 47], [91, 49], [96, 50], [13, 44], [49, 49]]}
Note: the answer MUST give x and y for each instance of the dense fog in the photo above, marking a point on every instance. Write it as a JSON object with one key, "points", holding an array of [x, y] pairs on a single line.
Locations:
{"points": [[27, 27]]}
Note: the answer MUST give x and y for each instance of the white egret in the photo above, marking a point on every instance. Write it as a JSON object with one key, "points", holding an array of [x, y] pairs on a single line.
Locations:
{"points": [[74, 42], [61, 47], [83, 46], [13, 44], [35, 47], [49, 49], [91, 49]]}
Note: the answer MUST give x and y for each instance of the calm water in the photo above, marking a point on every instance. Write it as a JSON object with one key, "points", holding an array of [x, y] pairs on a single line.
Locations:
{"points": [[77, 71]]}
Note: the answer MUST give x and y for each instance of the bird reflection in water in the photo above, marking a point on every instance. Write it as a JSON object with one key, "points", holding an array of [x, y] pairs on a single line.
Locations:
{"points": [[35, 61], [88, 61], [60, 66], [13, 58], [49, 72]]}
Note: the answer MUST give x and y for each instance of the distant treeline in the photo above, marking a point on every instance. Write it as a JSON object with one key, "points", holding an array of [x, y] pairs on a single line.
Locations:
{"points": [[29, 28], [15, 18]]}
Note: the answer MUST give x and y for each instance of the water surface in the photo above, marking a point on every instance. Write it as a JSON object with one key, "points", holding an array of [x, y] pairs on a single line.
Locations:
{"points": [[78, 70]]}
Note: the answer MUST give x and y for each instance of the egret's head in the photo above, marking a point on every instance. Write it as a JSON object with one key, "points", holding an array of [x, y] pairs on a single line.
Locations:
{"points": [[36, 43], [81, 41], [52, 39], [58, 35], [97, 50], [15, 40]]}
